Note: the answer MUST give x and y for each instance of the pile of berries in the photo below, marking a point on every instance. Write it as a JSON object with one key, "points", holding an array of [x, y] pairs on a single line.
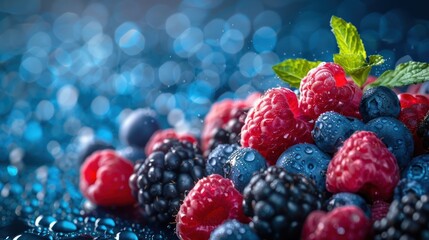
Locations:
{"points": [[339, 161]]}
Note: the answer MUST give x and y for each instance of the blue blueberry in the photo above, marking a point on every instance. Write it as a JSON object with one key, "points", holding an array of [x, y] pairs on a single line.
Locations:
{"points": [[396, 136], [357, 125], [138, 127], [241, 165], [346, 199], [132, 153], [379, 101], [407, 185], [330, 131], [217, 158], [418, 169], [92, 146], [233, 230], [308, 160]]}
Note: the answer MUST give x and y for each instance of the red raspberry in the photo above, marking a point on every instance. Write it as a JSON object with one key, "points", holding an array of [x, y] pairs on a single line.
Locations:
{"points": [[104, 179], [379, 210], [414, 108], [274, 124], [326, 88], [209, 203], [159, 136], [347, 222], [219, 115], [363, 165]]}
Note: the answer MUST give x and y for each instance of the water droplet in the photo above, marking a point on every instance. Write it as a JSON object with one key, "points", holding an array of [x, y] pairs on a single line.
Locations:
{"points": [[212, 161], [310, 166], [62, 226], [249, 157], [44, 221], [341, 231], [298, 156], [308, 150]]}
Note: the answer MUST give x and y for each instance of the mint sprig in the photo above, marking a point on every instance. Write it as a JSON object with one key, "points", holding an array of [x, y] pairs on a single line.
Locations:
{"points": [[404, 74], [292, 71], [352, 56]]}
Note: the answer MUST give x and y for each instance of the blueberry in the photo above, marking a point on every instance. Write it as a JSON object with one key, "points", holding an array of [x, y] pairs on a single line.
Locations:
{"points": [[218, 157], [92, 146], [396, 136], [418, 169], [346, 199], [379, 101], [232, 230], [308, 160], [331, 130], [138, 127], [357, 124], [406, 186], [132, 153], [241, 165]]}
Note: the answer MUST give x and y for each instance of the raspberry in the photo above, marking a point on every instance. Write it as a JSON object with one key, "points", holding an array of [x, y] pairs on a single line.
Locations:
{"points": [[161, 182], [278, 202], [379, 210], [379, 101], [274, 124], [407, 218], [159, 136], [363, 165], [211, 201], [346, 199], [325, 88], [347, 222], [308, 160], [414, 108], [104, 179], [218, 117]]}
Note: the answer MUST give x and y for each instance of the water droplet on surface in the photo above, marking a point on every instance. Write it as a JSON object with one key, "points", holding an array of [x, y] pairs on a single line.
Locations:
{"points": [[62, 226], [126, 235], [44, 221]]}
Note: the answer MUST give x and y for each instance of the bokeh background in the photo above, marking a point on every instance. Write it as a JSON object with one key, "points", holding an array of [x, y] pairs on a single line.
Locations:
{"points": [[72, 70]]}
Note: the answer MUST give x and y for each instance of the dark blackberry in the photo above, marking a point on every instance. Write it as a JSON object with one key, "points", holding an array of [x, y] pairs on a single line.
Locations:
{"points": [[230, 133], [161, 182], [408, 218], [423, 132], [278, 203]]}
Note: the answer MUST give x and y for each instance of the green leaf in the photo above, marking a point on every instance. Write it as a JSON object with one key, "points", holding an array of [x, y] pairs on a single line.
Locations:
{"points": [[292, 71], [347, 36], [404, 74], [352, 56]]}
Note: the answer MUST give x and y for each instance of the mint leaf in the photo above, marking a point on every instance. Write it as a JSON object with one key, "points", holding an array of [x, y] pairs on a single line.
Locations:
{"points": [[404, 74], [352, 56], [292, 71]]}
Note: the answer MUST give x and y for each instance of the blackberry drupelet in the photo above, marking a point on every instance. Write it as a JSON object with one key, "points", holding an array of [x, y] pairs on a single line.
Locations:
{"points": [[161, 182], [230, 133], [408, 218], [279, 202]]}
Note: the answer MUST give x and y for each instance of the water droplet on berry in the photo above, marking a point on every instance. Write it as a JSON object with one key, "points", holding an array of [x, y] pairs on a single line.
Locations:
{"points": [[212, 161], [249, 157], [341, 231], [44, 221], [310, 166], [298, 156], [308, 150]]}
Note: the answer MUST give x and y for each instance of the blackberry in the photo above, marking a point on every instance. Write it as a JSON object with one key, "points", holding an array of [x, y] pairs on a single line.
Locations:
{"points": [[408, 218], [161, 182], [423, 132], [279, 202], [230, 132]]}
